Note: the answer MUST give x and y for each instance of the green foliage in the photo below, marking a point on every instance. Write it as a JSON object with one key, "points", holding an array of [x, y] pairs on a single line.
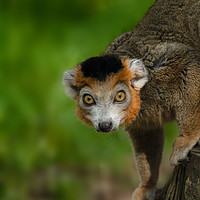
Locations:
{"points": [[39, 133]]}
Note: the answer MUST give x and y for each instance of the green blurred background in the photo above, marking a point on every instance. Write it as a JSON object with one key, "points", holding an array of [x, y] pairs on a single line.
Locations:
{"points": [[45, 152]]}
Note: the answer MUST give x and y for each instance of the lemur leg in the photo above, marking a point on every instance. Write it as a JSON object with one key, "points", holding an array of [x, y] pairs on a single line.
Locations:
{"points": [[148, 147], [189, 137]]}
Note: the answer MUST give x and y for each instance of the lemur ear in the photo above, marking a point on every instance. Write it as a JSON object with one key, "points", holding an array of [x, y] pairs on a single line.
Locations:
{"points": [[68, 81], [140, 73]]}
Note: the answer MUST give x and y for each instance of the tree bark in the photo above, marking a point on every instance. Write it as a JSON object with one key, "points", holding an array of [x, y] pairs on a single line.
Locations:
{"points": [[184, 183]]}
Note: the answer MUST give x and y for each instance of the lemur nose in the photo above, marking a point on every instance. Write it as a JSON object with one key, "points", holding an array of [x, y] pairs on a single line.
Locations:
{"points": [[105, 126]]}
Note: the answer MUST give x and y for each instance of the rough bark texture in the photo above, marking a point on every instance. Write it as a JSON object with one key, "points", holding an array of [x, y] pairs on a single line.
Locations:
{"points": [[185, 181]]}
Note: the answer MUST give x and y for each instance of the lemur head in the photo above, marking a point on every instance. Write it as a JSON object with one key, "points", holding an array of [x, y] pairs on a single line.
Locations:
{"points": [[106, 89]]}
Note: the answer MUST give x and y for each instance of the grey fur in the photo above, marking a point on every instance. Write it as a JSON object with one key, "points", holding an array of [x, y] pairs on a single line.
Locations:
{"points": [[167, 41], [105, 108], [140, 73], [68, 81]]}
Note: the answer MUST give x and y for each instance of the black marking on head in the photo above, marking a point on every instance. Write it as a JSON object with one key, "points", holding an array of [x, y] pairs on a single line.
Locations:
{"points": [[102, 66]]}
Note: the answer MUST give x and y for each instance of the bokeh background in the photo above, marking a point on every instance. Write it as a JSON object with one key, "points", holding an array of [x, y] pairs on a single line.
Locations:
{"points": [[45, 152]]}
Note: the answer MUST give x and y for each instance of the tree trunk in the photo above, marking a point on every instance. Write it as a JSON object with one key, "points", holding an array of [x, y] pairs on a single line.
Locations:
{"points": [[185, 181]]}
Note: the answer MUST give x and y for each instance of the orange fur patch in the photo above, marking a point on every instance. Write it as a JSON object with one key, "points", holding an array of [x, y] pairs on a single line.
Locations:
{"points": [[81, 114], [133, 108], [125, 76], [81, 81]]}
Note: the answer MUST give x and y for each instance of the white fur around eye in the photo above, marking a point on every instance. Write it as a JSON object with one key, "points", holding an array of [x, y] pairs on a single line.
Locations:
{"points": [[140, 73]]}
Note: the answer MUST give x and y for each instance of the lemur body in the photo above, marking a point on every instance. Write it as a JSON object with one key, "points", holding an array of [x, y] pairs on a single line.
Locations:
{"points": [[145, 78]]}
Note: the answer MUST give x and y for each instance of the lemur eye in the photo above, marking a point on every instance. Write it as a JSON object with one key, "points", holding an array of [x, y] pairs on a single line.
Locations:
{"points": [[120, 96], [88, 99]]}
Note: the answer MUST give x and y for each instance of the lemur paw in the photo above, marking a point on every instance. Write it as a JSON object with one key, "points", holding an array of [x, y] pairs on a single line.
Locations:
{"points": [[144, 193], [179, 155], [181, 148]]}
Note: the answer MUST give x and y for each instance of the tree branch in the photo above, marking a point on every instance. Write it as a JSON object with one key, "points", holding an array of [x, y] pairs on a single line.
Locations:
{"points": [[184, 183]]}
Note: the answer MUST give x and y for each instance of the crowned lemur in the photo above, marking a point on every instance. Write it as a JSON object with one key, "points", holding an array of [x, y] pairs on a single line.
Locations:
{"points": [[145, 78]]}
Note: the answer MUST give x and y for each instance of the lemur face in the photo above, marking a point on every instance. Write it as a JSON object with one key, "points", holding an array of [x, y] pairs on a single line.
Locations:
{"points": [[105, 106], [106, 89]]}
